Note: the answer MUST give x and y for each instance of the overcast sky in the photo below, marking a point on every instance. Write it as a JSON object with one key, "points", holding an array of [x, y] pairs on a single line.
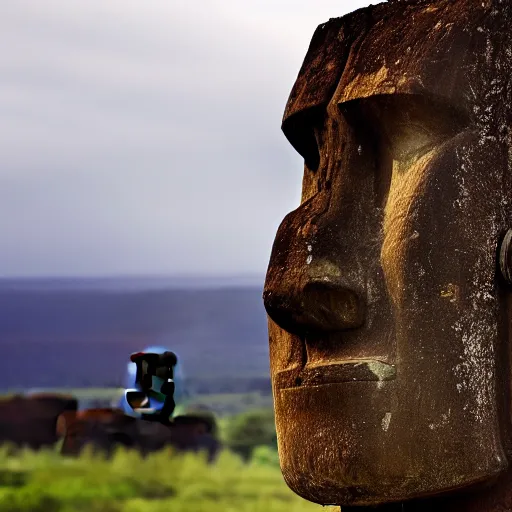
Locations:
{"points": [[143, 137]]}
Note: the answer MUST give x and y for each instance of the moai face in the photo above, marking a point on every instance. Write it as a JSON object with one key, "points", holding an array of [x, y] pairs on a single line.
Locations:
{"points": [[388, 319]]}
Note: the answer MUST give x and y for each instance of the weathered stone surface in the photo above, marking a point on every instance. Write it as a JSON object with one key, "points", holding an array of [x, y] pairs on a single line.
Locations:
{"points": [[388, 316]]}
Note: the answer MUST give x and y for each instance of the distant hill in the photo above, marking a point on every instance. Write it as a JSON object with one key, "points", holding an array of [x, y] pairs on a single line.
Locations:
{"points": [[131, 283], [80, 334]]}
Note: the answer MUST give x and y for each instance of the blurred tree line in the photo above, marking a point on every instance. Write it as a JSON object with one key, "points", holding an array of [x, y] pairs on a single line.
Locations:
{"points": [[247, 431], [218, 385]]}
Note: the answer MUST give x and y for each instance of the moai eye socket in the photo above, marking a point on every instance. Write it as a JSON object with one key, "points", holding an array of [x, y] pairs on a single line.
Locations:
{"points": [[409, 125]]}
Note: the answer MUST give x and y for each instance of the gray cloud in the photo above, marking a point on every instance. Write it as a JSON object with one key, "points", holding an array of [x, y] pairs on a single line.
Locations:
{"points": [[144, 137]]}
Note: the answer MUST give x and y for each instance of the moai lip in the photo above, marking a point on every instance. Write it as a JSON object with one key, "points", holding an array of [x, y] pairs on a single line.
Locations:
{"points": [[388, 316]]}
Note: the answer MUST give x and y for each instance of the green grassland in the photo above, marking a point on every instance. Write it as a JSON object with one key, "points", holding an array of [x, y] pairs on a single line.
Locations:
{"points": [[48, 482]]}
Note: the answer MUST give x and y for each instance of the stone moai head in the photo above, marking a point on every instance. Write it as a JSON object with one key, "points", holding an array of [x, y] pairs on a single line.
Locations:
{"points": [[388, 314]]}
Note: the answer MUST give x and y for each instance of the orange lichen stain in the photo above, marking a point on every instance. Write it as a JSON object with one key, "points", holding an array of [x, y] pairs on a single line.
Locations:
{"points": [[369, 84], [451, 292]]}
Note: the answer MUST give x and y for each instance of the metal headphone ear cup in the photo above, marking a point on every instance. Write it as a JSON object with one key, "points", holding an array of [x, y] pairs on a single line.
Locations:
{"points": [[505, 257], [168, 358]]}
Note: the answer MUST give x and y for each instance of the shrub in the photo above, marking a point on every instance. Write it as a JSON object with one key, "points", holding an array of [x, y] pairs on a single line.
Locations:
{"points": [[265, 455], [244, 432]]}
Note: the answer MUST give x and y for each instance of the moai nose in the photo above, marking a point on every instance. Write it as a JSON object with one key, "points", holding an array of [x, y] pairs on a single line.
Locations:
{"points": [[318, 306], [306, 289]]}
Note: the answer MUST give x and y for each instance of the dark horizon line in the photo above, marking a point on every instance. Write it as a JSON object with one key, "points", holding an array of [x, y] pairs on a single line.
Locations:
{"points": [[130, 276], [132, 282]]}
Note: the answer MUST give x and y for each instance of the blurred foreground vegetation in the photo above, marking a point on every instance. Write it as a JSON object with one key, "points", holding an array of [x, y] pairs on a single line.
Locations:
{"points": [[48, 482], [246, 477]]}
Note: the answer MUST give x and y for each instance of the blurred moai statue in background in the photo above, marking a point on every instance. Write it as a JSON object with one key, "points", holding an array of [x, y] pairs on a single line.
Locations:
{"points": [[389, 306]]}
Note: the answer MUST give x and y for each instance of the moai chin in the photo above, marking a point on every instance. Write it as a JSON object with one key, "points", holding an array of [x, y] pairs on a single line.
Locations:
{"points": [[388, 312]]}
